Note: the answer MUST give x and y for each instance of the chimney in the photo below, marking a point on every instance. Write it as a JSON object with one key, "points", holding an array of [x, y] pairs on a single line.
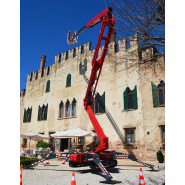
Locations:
{"points": [[42, 61]]}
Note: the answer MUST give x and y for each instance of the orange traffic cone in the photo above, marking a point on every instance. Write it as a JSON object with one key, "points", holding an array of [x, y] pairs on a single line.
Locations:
{"points": [[73, 181], [63, 161], [141, 178], [47, 162]]}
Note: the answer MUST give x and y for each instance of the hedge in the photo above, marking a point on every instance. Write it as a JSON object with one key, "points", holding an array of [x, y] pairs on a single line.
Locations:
{"points": [[24, 161]]}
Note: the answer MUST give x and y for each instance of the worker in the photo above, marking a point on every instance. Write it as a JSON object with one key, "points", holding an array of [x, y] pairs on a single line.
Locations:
{"points": [[68, 36], [75, 39]]}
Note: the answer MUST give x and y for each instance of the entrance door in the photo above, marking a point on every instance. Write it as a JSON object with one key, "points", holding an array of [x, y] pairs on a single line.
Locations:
{"points": [[65, 144]]}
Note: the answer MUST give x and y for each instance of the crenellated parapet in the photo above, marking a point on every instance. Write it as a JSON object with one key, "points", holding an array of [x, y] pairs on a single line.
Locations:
{"points": [[117, 52]]}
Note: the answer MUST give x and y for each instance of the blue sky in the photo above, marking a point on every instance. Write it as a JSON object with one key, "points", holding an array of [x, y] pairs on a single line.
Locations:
{"points": [[43, 30]]}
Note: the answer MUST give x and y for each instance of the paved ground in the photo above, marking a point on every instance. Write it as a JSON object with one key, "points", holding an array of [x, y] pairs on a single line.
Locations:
{"points": [[57, 173]]}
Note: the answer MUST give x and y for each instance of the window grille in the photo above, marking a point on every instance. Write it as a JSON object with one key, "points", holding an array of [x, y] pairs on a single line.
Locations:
{"points": [[130, 135]]}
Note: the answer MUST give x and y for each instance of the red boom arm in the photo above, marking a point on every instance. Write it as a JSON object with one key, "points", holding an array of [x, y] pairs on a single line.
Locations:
{"points": [[107, 20]]}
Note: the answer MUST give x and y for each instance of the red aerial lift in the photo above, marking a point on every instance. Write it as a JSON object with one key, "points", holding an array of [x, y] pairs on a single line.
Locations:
{"points": [[100, 156]]}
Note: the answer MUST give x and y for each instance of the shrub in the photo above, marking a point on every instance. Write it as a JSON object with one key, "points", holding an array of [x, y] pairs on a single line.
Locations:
{"points": [[24, 161], [160, 156], [42, 145]]}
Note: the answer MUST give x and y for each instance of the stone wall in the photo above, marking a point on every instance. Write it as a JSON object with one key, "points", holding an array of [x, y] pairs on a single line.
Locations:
{"points": [[120, 70]]}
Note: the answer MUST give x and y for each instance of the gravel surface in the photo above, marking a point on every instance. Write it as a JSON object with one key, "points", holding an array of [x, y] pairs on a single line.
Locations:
{"points": [[57, 173]]}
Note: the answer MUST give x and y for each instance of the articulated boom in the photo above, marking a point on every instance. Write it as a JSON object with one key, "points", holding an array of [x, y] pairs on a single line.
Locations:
{"points": [[107, 20]]}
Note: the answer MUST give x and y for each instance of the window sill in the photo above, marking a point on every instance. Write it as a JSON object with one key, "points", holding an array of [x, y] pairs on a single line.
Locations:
{"points": [[98, 113], [68, 86], [67, 117], [27, 122], [160, 106], [42, 120], [129, 110], [47, 92]]}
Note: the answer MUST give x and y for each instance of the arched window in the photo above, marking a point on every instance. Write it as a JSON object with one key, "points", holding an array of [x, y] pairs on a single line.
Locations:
{"points": [[161, 93], [61, 109], [48, 86], [67, 109], [42, 112], [158, 93], [98, 104], [27, 115], [83, 67], [130, 98], [74, 107], [68, 80]]}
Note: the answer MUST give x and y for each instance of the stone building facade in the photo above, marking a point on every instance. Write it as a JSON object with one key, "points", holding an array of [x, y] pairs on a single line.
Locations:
{"points": [[131, 89]]}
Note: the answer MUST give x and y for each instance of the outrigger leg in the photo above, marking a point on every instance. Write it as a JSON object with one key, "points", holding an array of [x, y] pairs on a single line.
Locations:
{"points": [[96, 159]]}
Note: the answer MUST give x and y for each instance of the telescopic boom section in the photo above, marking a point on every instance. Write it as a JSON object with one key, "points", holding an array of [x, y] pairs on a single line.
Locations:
{"points": [[107, 19]]}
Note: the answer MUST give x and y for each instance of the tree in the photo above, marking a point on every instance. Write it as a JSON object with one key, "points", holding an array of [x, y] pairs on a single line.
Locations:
{"points": [[146, 18]]}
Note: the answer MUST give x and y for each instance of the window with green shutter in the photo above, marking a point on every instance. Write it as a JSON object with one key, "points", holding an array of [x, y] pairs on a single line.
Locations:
{"points": [[130, 98], [27, 115], [42, 112], [155, 95], [161, 93], [68, 80], [158, 93], [48, 86]]}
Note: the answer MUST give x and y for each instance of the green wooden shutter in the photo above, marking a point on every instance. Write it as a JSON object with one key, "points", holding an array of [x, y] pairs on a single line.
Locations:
{"points": [[45, 112], [92, 105], [134, 96], [103, 103], [30, 114], [39, 109], [155, 95], [125, 96], [24, 117], [68, 81]]}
